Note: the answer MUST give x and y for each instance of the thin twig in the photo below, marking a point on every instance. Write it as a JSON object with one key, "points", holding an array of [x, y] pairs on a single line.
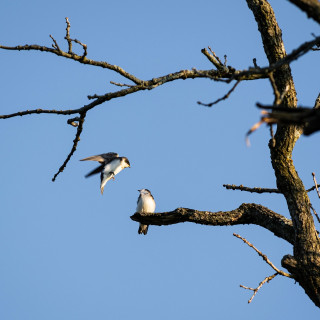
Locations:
{"points": [[266, 279], [275, 89], [294, 55], [258, 190], [213, 58], [74, 147], [37, 111], [121, 84], [315, 212], [315, 183], [67, 37], [252, 190], [84, 46], [273, 140], [55, 45], [226, 96], [264, 257]]}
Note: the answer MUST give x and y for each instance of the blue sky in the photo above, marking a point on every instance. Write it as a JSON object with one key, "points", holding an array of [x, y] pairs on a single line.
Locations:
{"points": [[69, 253]]}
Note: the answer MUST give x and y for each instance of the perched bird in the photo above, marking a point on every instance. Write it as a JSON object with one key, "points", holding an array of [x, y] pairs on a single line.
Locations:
{"points": [[145, 204], [111, 165]]}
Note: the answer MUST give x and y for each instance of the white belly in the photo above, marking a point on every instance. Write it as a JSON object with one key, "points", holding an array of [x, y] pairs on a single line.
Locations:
{"points": [[146, 204], [114, 166]]}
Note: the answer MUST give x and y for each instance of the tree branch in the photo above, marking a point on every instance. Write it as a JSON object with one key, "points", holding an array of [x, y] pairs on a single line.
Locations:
{"points": [[263, 256], [258, 190], [226, 96], [74, 146], [255, 290], [310, 7], [306, 242], [247, 213]]}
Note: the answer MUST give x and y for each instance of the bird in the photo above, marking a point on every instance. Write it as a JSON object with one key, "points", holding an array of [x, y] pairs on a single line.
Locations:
{"points": [[145, 204], [110, 165]]}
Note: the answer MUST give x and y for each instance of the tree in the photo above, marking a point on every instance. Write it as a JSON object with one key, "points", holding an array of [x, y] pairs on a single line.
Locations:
{"points": [[304, 265]]}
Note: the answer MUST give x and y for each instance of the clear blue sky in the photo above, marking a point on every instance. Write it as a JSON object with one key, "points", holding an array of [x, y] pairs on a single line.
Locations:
{"points": [[69, 253]]}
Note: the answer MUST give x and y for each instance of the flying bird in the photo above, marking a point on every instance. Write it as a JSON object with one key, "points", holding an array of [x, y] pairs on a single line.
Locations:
{"points": [[145, 204], [110, 165]]}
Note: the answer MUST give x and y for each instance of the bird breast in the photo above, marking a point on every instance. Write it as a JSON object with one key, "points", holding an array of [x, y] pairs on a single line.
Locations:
{"points": [[146, 204], [114, 166]]}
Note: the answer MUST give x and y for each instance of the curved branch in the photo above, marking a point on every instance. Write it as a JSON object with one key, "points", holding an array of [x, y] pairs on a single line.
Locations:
{"points": [[74, 146], [247, 213], [310, 7]]}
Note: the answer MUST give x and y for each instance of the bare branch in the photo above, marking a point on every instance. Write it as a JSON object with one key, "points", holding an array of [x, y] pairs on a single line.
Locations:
{"points": [[310, 7], [247, 213], [84, 46], [264, 257], [214, 59], [67, 37], [257, 190], [286, 60], [315, 212], [37, 111], [226, 96], [315, 183], [121, 84], [307, 118], [55, 45], [252, 190], [255, 291], [74, 147]]}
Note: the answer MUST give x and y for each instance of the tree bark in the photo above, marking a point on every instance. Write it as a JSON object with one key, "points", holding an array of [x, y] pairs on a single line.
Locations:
{"points": [[305, 263]]}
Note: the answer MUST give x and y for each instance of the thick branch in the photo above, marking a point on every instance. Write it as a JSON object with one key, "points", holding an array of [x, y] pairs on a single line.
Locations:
{"points": [[310, 7], [306, 242], [247, 213]]}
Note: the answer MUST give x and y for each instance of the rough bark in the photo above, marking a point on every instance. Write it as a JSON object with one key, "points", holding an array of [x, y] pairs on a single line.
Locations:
{"points": [[247, 213], [305, 263]]}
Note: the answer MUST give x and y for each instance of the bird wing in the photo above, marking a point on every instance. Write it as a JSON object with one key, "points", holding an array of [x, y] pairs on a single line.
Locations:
{"points": [[102, 158], [95, 171]]}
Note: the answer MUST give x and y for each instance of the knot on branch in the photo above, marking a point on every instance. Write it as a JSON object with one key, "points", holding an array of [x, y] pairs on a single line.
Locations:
{"points": [[290, 263], [74, 121]]}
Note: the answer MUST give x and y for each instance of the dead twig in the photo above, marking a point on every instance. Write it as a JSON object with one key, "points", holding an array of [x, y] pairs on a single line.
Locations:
{"points": [[226, 96], [258, 190], [121, 84], [74, 146], [315, 183], [265, 258], [314, 212], [252, 190], [67, 37], [55, 45], [255, 290]]}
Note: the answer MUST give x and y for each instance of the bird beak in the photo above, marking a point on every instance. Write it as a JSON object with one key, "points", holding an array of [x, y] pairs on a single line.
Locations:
{"points": [[139, 190]]}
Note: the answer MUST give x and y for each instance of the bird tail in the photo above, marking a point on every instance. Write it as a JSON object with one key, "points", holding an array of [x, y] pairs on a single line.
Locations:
{"points": [[143, 229], [105, 179]]}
